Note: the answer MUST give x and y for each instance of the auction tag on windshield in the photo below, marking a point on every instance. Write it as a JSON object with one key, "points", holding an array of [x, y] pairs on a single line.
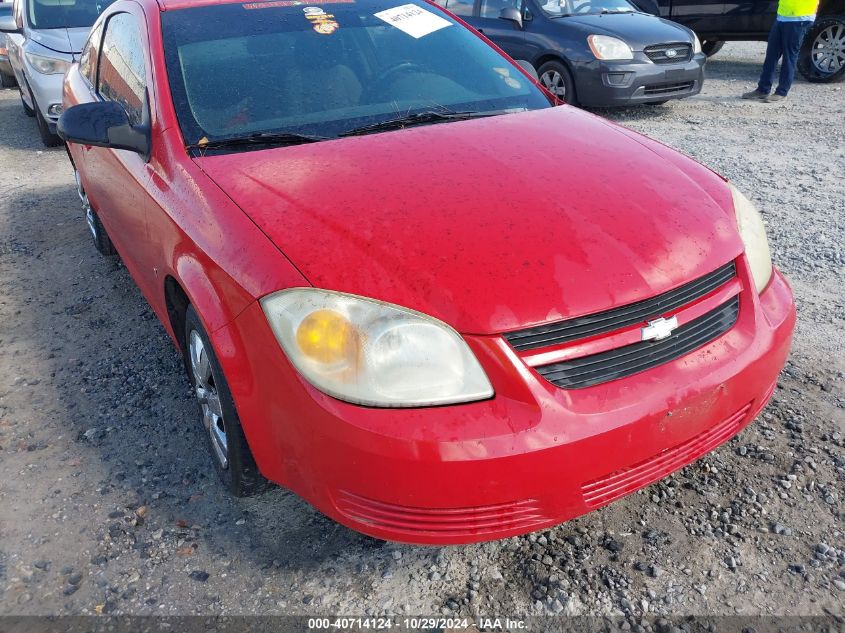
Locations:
{"points": [[413, 20]]}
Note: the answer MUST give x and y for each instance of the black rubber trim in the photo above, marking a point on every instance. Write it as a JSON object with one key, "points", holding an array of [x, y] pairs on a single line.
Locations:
{"points": [[618, 318], [596, 369]]}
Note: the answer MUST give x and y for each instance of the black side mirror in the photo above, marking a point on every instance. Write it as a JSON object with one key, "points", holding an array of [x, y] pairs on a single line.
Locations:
{"points": [[511, 15], [8, 24], [104, 124]]}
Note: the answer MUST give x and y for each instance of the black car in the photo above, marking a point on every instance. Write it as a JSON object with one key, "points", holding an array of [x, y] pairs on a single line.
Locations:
{"points": [[822, 57], [593, 52]]}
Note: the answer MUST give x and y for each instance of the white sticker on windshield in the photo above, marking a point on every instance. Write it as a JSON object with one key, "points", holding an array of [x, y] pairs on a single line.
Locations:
{"points": [[413, 20]]}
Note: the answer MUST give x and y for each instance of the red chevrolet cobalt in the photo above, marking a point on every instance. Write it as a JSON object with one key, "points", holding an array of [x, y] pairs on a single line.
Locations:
{"points": [[409, 285]]}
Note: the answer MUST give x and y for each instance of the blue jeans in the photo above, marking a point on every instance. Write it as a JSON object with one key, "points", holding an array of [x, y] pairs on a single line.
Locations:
{"points": [[784, 41]]}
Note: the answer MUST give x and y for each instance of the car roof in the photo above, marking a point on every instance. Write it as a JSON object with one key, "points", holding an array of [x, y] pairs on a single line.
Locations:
{"points": [[172, 5]]}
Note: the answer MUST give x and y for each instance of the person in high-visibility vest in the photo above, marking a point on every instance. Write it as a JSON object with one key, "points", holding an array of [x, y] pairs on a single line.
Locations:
{"points": [[793, 19]]}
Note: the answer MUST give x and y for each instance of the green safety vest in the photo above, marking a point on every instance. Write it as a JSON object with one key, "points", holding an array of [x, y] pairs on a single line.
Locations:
{"points": [[797, 8]]}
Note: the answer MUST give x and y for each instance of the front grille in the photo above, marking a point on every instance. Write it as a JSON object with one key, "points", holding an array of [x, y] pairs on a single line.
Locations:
{"points": [[517, 515], [669, 89], [669, 53], [618, 318], [588, 371], [611, 487]]}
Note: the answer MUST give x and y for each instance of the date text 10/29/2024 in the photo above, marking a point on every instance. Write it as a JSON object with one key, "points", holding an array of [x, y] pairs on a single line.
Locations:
{"points": [[416, 624]]}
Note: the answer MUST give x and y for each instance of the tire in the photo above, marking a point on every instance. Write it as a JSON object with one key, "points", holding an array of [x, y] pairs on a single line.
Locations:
{"points": [[102, 241], [822, 57], [7, 81], [26, 109], [48, 138], [229, 450], [557, 79], [711, 47]]}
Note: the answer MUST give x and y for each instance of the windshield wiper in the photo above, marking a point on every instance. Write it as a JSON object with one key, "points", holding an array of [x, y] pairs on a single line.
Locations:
{"points": [[261, 139], [421, 118]]}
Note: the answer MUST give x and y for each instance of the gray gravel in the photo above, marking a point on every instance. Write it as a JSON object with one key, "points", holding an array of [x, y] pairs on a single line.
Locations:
{"points": [[109, 504]]}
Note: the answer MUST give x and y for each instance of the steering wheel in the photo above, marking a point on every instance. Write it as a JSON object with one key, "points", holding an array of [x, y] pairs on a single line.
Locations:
{"points": [[387, 75]]}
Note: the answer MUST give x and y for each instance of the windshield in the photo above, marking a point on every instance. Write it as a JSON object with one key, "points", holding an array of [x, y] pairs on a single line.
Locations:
{"points": [[239, 70], [556, 8], [64, 14]]}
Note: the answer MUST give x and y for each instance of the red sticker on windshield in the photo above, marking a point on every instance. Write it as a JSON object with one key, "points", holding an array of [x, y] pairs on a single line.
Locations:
{"points": [[324, 23]]}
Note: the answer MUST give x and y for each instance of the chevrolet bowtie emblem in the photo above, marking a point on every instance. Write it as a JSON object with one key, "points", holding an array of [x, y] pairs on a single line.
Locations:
{"points": [[660, 329]]}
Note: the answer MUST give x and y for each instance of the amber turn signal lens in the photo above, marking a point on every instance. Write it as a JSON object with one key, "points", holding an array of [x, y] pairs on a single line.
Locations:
{"points": [[327, 337]]}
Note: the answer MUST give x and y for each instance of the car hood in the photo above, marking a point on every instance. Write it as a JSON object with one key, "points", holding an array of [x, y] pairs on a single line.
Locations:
{"points": [[637, 29], [491, 224], [68, 41]]}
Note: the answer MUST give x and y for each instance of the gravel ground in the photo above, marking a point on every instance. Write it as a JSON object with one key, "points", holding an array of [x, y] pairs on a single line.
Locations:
{"points": [[109, 504]]}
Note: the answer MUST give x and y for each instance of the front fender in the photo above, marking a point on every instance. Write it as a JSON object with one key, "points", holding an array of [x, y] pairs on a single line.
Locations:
{"points": [[216, 305]]}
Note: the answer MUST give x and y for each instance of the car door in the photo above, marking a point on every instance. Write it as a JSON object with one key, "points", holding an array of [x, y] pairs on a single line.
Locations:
{"points": [[117, 180], [763, 14], [705, 17], [507, 35]]}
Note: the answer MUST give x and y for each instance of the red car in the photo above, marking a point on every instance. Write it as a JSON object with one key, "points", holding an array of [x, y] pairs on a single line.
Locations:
{"points": [[408, 284]]}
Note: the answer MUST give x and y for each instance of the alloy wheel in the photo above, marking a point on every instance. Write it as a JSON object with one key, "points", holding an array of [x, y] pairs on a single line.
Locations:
{"points": [[86, 206], [208, 398], [553, 81], [828, 50]]}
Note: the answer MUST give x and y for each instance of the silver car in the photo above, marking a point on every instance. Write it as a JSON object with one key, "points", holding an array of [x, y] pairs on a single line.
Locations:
{"points": [[7, 75], [43, 40]]}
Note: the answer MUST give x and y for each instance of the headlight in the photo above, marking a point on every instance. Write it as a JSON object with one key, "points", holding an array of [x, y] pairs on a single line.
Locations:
{"points": [[753, 233], [373, 353], [609, 48], [48, 65], [696, 44]]}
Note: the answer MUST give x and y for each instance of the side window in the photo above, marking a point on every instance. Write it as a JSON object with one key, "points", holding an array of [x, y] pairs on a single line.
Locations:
{"points": [[492, 8], [120, 76], [458, 7], [88, 60]]}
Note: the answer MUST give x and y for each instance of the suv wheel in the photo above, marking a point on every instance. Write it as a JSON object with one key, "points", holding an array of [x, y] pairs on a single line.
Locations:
{"points": [[47, 137], [822, 58], [556, 78], [711, 47]]}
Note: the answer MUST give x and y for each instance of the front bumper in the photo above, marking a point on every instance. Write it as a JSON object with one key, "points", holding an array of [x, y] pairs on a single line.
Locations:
{"points": [[47, 90], [531, 457], [637, 81]]}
